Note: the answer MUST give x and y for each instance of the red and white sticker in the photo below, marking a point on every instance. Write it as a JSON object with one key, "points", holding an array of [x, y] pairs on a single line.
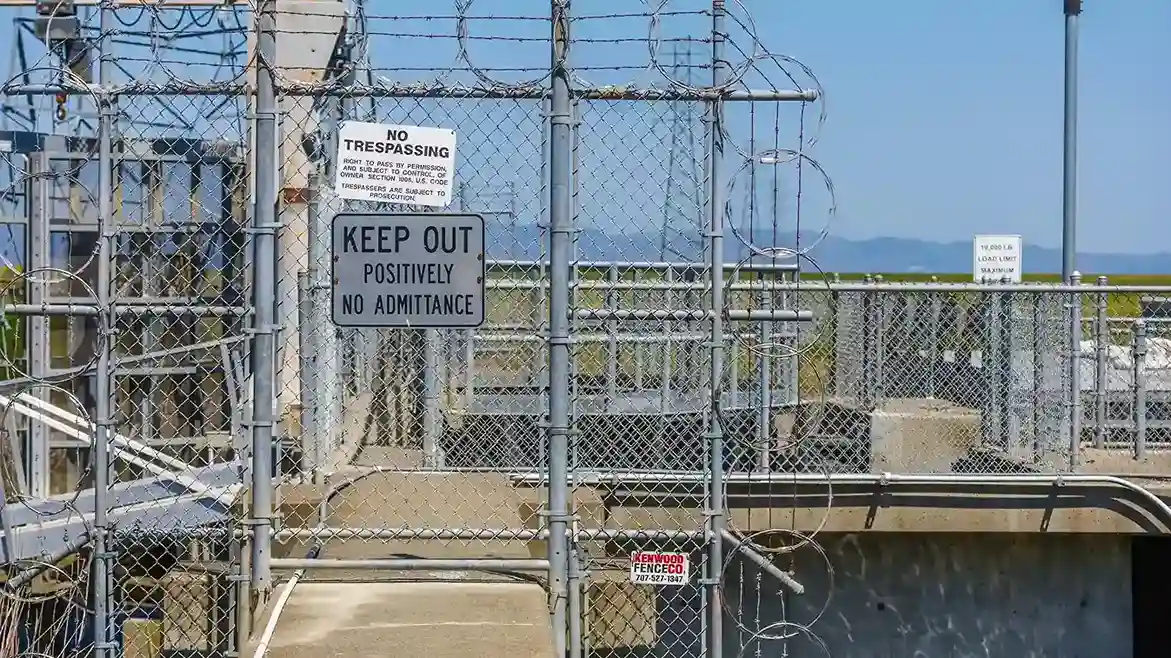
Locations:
{"points": [[654, 568]]}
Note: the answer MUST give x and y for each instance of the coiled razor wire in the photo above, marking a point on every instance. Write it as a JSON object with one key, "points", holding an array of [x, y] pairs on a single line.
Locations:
{"points": [[783, 630], [736, 73]]}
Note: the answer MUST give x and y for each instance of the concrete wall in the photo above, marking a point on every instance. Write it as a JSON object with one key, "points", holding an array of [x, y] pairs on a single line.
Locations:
{"points": [[930, 595]]}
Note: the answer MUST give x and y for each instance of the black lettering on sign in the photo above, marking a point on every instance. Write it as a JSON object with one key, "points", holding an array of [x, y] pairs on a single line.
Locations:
{"points": [[397, 148], [448, 240], [352, 304], [374, 239]]}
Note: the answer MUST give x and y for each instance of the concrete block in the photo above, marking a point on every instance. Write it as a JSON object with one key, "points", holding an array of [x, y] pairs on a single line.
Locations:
{"points": [[920, 436], [186, 611], [586, 504], [142, 638], [621, 615]]}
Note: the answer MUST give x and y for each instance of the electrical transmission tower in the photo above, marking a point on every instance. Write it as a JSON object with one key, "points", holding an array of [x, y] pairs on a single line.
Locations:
{"points": [[682, 219], [54, 41]]}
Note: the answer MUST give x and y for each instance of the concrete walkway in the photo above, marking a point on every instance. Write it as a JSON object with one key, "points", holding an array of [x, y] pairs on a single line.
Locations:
{"points": [[411, 619]]}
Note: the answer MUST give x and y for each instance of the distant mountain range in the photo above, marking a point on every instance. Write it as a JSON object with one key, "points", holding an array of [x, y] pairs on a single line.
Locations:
{"points": [[834, 254]]}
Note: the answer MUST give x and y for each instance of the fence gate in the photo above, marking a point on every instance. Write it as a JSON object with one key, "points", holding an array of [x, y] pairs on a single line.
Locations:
{"points": [[175, 374]]}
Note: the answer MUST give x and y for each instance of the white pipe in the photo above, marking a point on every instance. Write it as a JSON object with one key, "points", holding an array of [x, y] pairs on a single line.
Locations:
{"points": [[193, 485], [274, 617], [116, 439]]}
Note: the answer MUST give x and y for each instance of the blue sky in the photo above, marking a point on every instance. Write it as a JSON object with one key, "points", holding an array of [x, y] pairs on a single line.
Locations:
{"points": [[945, 116]]}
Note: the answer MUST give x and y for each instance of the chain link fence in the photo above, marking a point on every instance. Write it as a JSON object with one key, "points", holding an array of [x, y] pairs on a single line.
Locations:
{"points": [[662, 362]]}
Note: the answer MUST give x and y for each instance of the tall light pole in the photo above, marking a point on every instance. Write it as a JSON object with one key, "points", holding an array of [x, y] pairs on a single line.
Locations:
{"points": [[1073, 9]]}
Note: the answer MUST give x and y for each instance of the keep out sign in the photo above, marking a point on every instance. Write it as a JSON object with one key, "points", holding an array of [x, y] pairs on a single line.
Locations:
{"points": [[656, 568]]}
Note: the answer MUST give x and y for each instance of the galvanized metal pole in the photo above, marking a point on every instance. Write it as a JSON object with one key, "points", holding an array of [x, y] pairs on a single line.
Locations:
{"points": [[1073, 9], [311, 462], [715, 433], [1075, 374], [264, 299], [105, 321], [325, 381], [560, 244]]}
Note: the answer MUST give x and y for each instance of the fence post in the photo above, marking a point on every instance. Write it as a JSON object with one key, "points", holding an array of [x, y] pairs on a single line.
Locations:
{"points": [[1140, 390], [868, 345], [312, 452], [1101, 344], [264, 299], [560, 243], [1075, 372], [715, 432], [934, 354], [612, 329], [1004, 357], [101, 567]]}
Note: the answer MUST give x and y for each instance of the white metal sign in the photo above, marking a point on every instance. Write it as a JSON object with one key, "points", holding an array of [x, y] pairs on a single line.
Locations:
{"points": [[655, 568], [411, 165], [417, 270], [996, 258]]}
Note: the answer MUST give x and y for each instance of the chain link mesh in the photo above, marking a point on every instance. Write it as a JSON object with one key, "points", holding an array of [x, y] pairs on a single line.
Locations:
{"points": [[718, 385]]}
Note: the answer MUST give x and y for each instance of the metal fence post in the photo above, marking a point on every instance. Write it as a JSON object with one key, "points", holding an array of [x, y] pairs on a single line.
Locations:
{"points": [[1140, 390], [312, 451], [1075, 373], [560, 243], [264, 298], [934, 354], [1101, 346], [324, 381], [106, 323], [715, 431]]}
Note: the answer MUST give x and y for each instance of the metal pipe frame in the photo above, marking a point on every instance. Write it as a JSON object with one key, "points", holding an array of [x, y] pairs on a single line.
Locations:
{"points": [[407, 564], [264, 353], [714, 431], [745, 548], [497, 264], [941, 483], [472, 534], [436, 91], [123, 309], [103, 560], [763, 315], [561, 230]]}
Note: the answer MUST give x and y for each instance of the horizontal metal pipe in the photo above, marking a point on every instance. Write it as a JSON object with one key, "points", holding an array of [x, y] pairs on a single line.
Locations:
{"points": [[992, 482], [765, 315], [643, 265], [120, 309], [136, 89], [469, 564], [437, 91], [538, 93], [25, 576], [585, 534], [602, 338], [761, 561], [602, 284], [388, 534], [811, 284], [160, 4]]}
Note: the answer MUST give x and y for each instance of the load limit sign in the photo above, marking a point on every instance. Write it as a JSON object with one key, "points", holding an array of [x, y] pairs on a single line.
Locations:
{"points": [[417, 270], [410, 165]]}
